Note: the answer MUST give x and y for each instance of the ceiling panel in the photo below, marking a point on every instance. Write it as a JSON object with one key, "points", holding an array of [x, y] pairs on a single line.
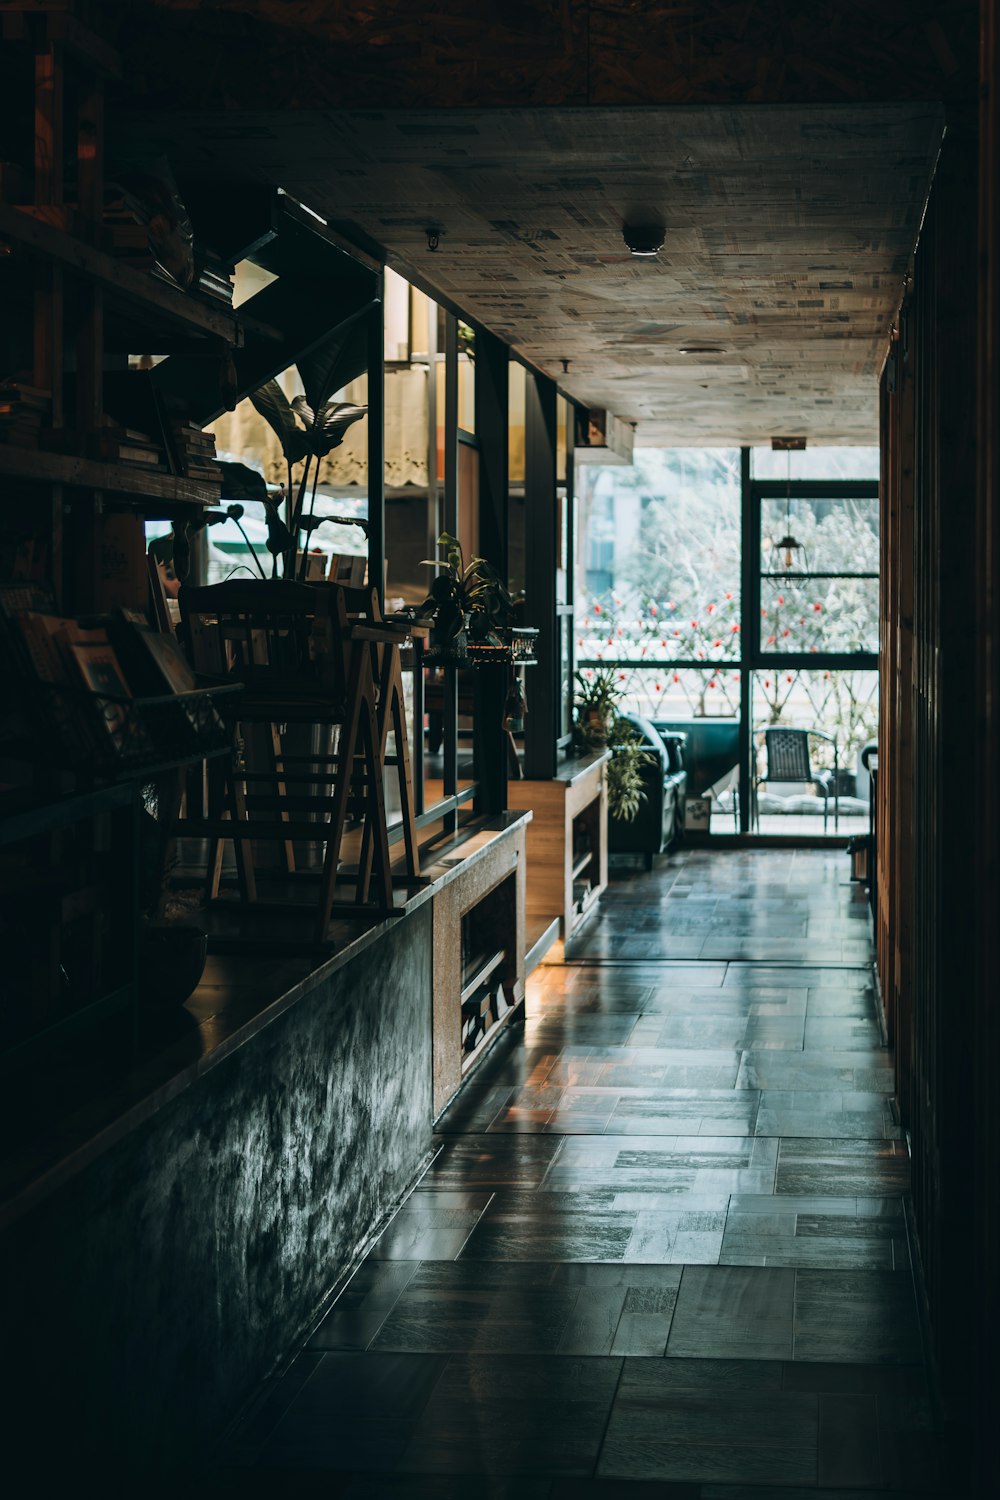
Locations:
{"points": [[787, 234]]}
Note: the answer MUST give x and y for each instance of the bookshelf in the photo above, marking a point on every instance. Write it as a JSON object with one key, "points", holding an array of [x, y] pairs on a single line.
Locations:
{"points": [[567, 842], [84, 730]]}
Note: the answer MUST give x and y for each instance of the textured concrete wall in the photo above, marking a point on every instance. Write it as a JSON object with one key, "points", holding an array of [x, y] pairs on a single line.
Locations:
{"points": [[147, 1298]]}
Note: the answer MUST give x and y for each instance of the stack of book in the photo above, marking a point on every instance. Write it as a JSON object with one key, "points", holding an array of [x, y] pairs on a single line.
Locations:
{"points": [[214, 278], [195, 451], [93, 685], [22, 411], [126, 237], [127, 445]]}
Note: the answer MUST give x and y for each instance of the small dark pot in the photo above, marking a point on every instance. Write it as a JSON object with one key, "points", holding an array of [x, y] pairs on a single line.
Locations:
{"points": [[450, 640], [171, 961]]}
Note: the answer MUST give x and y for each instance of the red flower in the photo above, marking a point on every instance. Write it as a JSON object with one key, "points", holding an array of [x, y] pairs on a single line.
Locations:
{"points": [[590, 671], [597, 608], [786, 631], [781, 599], [694, 624], [618, 631], [621, 677], [671, 604], [735, 629], [652, 609], [716, 643], [676, 632], [771, 640], [736, 676], [818, 608], [813, 648], [710, 608], [826, 676], [610, 640], [658, 686], [677, 677], [713, 683], [767, 682], [788, 679], [763, 614], [729, 596], [663, 643]]}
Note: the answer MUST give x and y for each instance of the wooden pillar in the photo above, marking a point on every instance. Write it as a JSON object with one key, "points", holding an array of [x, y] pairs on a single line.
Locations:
{"points": [[491, 682], [541, 561], [985, 1006]]}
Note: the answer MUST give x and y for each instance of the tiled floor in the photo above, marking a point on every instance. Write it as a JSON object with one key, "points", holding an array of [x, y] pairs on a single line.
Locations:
{"points": [[662, 1249]]}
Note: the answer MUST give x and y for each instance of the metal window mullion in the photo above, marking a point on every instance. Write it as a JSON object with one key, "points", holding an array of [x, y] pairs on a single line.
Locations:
{"points": [[450, 685], [749, 632]]}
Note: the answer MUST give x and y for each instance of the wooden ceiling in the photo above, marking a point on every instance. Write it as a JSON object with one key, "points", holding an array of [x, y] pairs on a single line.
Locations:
{"points": [[786, 145], [788, 231]]}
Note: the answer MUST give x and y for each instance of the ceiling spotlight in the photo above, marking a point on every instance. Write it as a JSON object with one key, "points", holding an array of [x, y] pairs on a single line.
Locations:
{"points": [[643, 240]]}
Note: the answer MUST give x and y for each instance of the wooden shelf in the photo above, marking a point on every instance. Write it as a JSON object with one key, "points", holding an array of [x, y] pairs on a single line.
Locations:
{"points": [[36, 465], [589, 902], [576, 795], [482, 973], [480, 906], [33, 236]]}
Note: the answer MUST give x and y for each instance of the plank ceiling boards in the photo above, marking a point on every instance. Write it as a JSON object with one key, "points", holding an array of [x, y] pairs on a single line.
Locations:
{"points": [[312, 54], [787, 235]]}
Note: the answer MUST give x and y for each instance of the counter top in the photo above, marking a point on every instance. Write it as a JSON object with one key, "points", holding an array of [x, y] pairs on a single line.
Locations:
{"points": [[238, 997]]}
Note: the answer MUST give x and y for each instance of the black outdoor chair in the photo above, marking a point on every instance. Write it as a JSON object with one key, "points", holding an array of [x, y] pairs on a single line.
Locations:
{"points": [[787, 752]]}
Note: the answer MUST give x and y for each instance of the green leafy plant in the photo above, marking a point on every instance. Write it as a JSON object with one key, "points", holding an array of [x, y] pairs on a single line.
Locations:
{"points": [[598, 724], [625, 772], [598, 694], [308, 428], [472, 590]]}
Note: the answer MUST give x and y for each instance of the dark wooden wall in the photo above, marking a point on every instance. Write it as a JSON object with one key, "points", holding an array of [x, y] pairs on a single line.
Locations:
{"points": [[986, 1004], [939, 807]]}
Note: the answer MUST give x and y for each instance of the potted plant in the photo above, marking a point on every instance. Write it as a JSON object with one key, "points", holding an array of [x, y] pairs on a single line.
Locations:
{"points": [[624, 771], [308, 427], [599, 724], [597, 698], [468, 601]]}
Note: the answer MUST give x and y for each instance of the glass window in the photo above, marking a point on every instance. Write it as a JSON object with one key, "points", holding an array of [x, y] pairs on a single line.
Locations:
{"points": [[660, 574], [819, 560], [840, 709], [815, 463]]}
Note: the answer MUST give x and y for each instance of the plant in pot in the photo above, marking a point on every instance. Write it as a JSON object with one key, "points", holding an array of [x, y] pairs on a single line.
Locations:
{"points": [[624, 771], [599, 725], [598, 695], [308, 428], [468, 601]]}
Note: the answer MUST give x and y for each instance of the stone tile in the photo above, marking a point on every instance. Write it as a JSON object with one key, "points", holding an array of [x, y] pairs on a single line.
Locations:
{"points": [[510, 1414], [729, 1312], [855, 1316], [659, 1431]]}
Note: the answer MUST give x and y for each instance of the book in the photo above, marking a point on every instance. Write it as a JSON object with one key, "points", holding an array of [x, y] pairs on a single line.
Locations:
{"points": [[91, 655], [153, 661]]}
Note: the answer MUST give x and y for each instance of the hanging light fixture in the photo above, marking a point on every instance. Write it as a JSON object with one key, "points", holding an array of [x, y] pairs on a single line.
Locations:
{"points": [[788, 546]]}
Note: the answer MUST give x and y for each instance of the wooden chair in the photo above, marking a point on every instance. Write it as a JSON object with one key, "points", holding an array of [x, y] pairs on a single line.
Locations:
{"points": [[309, 655]]}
